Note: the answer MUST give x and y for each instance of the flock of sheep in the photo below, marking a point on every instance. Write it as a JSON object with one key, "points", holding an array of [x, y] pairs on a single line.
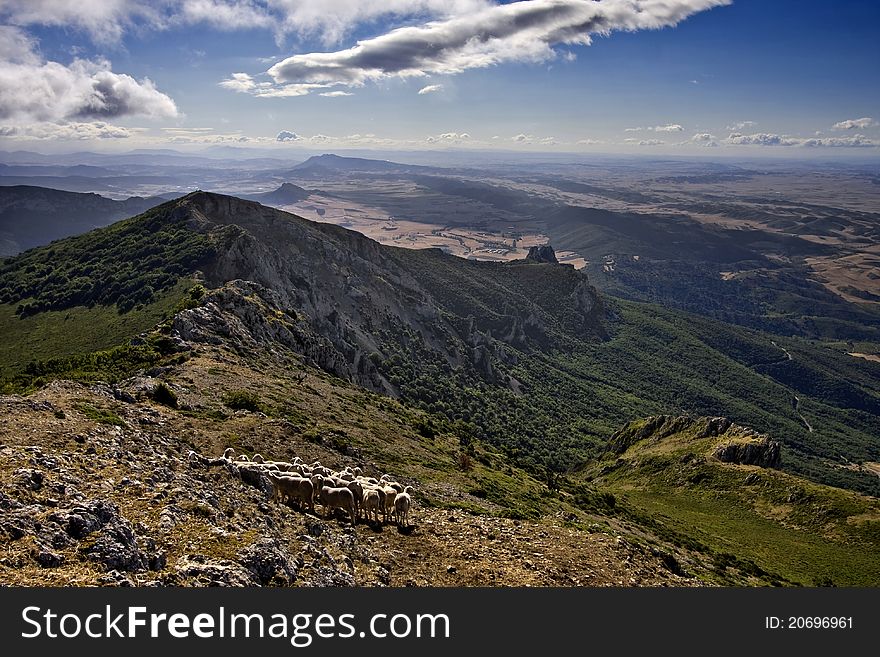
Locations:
{"points": [[347, 489]]}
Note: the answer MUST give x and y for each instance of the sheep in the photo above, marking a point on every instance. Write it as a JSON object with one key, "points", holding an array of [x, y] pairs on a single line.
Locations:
{"points": [[370, 503], [358, 491], [402, 503], [228, 453], [293, 488], [389, 495], [318, 482], [386, 480], [258, 458], [243, 457], [194, 458], [338, 498]]}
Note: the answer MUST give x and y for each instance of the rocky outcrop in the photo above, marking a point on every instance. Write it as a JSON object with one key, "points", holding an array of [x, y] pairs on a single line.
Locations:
{"points": [[762, 452], [542, 253], [734, 444]]}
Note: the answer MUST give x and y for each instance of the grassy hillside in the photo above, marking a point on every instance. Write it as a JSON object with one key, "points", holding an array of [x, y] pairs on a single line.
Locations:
{"points": [[779, 526], [56, 334]]}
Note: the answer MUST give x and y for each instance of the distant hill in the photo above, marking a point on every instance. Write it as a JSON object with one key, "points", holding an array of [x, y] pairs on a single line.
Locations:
{"points": [[337, 163], [284, 195], [33, 216]]}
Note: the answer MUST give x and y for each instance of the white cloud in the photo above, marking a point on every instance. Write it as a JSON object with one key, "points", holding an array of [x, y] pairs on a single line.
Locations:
{"points": [[222, 14], [760, 139], [287, 135], [334, 19], [645, 142], [739, 126], [68, 131], [107, 20], [32, 89], [336, 94], [633, 129], [701, 139], [16, 46], [764, 139], [852, 124], [856, 141], [266, 90], [448, 138], [430, 89], [239, 82], [104, 20], [589, 142], [515, 32], [672, 127], [320, 139]]}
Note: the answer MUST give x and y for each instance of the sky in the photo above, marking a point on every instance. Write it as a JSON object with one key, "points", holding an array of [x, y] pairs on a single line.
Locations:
{"points": [[751, 77]]}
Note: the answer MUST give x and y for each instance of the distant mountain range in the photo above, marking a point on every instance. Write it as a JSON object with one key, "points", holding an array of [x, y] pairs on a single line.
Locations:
{"points": [[32, 216]]}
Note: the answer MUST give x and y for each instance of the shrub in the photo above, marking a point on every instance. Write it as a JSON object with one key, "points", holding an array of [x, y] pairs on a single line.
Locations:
{"points": [[242, 400], [164, 395]]}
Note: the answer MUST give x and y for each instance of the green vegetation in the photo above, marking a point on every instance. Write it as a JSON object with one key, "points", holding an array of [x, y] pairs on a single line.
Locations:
{"points": [[100, 415], [164, 395], [61, 333], [762, 522], [127, 264], [243, 400]]}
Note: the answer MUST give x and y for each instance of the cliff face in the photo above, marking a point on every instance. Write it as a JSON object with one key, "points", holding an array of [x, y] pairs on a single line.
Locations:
{"points": [[337, 297]]}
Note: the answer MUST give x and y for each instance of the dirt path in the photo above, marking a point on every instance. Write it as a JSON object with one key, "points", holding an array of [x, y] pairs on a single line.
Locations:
{"points": [[796, 402]]}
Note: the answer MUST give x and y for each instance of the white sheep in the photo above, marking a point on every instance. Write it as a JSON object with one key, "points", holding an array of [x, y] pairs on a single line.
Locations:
{"points": [[258, 458], [293, 488], [388, 495], [402, 504], [338, 498], [358, 491], [370, 503], [228, 453]]}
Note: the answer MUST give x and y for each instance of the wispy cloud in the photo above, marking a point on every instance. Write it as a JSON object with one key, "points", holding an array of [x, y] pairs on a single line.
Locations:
{"points": [[515, 32], [336, 94], [852, 124], [430, 89], [739, 126]]}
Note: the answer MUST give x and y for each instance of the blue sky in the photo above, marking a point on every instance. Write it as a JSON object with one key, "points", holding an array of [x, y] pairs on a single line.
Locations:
{"points": [[748, 76]]}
